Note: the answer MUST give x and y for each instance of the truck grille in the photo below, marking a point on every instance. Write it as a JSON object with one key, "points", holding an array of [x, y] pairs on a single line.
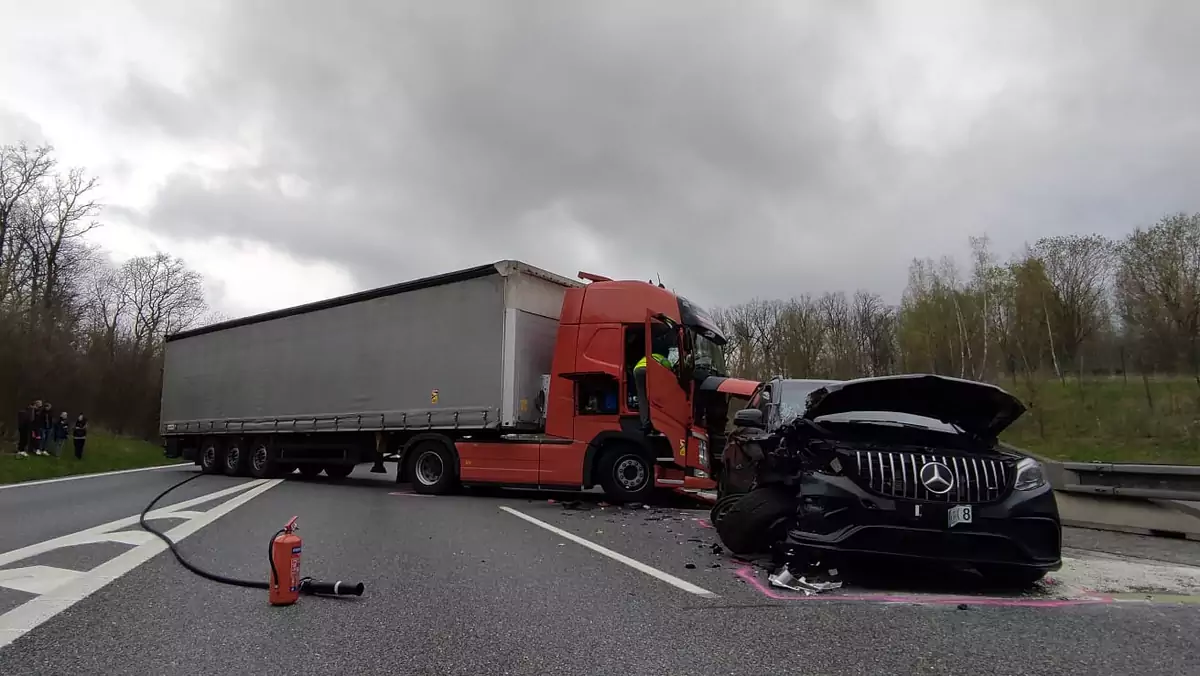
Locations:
{"points": [[897, 475]]}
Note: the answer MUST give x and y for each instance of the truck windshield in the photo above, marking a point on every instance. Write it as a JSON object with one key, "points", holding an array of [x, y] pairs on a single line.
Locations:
{"points": [[709, 352]]}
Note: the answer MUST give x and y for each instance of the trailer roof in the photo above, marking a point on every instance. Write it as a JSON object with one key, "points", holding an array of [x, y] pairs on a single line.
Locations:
{"points": [[503, 267]]}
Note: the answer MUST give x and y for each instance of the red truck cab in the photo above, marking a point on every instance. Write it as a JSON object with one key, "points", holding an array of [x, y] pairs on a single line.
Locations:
{"points": [[592, 433]]}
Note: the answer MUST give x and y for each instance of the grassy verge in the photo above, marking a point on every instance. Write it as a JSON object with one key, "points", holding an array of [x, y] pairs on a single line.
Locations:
{"points": [[1114, 419], [103, 453]]}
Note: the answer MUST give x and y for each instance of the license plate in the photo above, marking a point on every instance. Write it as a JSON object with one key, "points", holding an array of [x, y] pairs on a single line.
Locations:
{"points": [[958, 514]]}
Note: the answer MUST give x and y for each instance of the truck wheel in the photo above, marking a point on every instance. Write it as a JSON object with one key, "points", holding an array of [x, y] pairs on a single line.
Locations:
{"points": [[432, 468], [210, 457], [756, 520], [338, 471], [626, 475], [262, 465], [235, 463]]}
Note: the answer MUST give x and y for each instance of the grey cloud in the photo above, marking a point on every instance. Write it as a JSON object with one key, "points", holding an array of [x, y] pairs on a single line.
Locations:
{"points": [[692, 139]]}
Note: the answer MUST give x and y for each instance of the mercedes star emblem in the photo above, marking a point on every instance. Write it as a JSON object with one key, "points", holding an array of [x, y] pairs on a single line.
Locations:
{"points": [[937, 478]]}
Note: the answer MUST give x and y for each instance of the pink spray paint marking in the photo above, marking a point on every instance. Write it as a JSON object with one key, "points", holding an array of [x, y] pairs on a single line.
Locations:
{"points": [[704, 523], [747, 574], [412, 495]]}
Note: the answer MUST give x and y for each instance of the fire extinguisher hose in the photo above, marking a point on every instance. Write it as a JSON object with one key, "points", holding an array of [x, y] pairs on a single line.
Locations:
{"points": [[307, 584]]}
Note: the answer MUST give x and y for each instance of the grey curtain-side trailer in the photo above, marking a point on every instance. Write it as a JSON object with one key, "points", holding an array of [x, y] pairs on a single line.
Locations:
{"points": [[331, 384]]}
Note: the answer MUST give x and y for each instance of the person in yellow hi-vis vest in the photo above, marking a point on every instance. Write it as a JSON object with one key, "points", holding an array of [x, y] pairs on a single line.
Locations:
{"points": [[639, 379]]}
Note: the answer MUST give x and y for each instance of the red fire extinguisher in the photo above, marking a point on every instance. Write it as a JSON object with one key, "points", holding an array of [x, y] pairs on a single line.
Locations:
{"points": [[284, 585]]}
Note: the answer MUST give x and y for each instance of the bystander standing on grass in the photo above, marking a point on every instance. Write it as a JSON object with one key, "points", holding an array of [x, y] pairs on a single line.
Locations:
{"points": [[80, 435]]}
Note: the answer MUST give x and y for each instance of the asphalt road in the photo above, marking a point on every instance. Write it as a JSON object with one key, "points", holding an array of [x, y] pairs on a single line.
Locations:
{"points": [[458, 585]]}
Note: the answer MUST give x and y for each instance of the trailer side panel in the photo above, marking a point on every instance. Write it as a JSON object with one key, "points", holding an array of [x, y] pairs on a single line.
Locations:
{"points": [[365, 365]]}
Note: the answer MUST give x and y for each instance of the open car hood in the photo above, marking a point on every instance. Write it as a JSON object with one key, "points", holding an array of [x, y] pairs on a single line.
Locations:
{"points": [[977, 408]]}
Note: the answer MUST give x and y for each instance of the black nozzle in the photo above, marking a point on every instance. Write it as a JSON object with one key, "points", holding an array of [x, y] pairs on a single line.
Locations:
{"points": [[338, 588]]}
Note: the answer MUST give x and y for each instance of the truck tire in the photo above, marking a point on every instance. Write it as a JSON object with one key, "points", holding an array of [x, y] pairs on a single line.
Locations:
{"points": [[433, 468], [626, 474], [263, 463], [236, 459], [338, 471], [210, 456], [757, 520]]}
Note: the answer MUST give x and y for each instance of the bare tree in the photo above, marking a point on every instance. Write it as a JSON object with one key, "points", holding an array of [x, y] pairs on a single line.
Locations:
{"points": [[1079, 269]]}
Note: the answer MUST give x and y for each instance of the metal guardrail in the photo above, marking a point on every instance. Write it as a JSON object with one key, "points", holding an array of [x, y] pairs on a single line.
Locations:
{"points": [[1153, 482]]}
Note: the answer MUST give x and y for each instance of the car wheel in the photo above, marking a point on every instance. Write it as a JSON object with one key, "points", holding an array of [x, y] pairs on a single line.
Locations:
{"points": [[723, 505], [757, 520], [626, 475], [432, 468], [309, 471], [338, 471], [1015, 577]]}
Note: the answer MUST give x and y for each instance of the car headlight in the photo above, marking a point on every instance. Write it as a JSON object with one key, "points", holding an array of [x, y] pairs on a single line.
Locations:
{"points": [[1029, 475]]}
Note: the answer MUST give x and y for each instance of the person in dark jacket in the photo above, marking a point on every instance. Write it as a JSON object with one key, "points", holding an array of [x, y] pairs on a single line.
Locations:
{"points": [[24, 429], [36, 437], [80, 435], [47, 427], [60, 434]]}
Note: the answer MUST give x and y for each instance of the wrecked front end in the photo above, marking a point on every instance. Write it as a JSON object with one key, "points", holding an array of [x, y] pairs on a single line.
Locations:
{"points": [[844, 492]]}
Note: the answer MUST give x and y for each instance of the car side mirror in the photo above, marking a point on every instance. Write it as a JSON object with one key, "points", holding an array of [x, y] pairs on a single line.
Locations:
{"points": [[748, 417]]}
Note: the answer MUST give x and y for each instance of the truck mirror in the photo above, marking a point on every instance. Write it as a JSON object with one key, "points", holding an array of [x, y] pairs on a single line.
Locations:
{"points": [[748, 417]]}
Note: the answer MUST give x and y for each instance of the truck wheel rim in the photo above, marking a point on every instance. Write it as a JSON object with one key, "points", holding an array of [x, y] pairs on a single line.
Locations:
{"points": [[210, 456], [259, 458], [429, 468], [231, 457], [630, 472]]}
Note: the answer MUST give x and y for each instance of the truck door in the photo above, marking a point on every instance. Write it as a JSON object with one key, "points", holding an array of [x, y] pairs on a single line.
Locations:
{"points": [[669, 405]]}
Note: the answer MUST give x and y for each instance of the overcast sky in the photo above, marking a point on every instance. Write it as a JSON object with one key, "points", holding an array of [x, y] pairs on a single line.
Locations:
{"points": [[295, 150]]}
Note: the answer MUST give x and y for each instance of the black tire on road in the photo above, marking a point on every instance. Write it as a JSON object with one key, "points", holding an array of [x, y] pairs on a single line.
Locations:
{"points": [[338, 471], [310, 471], [626, 474], [757, 520], [721, 507], [236, 461], [210, 456], [263, 462], [433, 468]]}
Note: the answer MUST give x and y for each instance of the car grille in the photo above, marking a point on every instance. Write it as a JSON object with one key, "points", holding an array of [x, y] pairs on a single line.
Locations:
{"points": [[897, 475]]}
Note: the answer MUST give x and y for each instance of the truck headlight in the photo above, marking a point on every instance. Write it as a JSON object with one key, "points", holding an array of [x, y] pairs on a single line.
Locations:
{"points": [[703, 452], [1029, 475]]}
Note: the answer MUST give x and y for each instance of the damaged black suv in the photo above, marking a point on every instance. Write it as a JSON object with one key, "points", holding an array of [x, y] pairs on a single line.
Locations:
{"points": [[902, 466]]}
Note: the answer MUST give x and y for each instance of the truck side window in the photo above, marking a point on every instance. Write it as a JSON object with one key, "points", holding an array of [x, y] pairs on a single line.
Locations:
{"points": [[597, 394]]}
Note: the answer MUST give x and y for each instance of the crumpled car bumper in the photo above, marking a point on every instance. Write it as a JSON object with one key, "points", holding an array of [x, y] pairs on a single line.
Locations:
{"points": [[1023, 530]]}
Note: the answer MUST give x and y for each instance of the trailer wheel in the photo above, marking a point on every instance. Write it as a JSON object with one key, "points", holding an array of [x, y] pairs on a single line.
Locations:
{"points": [[210, 457], [432, 468], [626, 475], [262, 464], [235, 463], [338, 471]]}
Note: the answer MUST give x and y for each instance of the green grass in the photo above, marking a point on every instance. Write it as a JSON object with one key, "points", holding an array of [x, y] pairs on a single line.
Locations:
{"points": [[103, 453], [1110, 419]]}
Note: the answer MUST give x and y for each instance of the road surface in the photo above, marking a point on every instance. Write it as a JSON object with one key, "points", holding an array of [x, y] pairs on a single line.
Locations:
{"points": [[512, 584]]}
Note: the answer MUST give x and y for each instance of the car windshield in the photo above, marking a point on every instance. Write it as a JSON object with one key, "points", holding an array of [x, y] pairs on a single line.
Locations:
{"points": [[792, 396]]}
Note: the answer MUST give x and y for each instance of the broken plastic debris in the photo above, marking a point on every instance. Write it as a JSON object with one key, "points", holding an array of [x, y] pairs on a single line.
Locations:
{"points": [[783, 579]]}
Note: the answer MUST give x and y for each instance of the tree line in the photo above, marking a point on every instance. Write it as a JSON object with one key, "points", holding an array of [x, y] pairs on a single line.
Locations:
{"points": [[76, 329], [1065, 306]]}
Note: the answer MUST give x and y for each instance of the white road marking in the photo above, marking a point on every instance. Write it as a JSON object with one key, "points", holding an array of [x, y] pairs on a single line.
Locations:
{"points": [[105, 531], [36, 579], [74, 477], [20, 620], [636, 565]]}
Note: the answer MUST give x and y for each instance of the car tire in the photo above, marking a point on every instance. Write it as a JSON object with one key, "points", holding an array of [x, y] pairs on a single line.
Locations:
{"points": [[336, 472], [757, 520], [1011, 577], [433, 468], [626, 474], [722, 507]]}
